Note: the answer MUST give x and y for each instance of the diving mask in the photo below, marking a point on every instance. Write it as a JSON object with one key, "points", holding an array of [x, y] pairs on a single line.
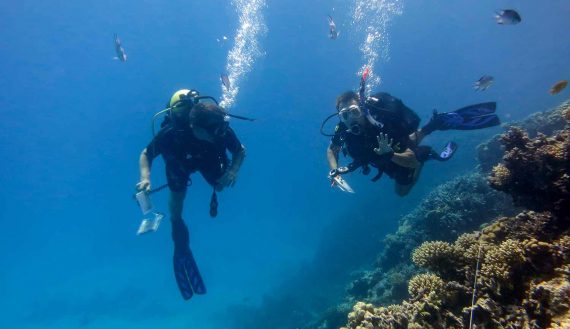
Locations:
{"points": [[350, 113]]}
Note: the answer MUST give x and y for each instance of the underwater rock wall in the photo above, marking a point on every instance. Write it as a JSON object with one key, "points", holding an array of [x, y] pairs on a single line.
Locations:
{"points": [[524, 260]]}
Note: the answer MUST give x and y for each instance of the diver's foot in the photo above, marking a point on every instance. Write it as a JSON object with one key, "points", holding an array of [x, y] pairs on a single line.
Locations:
{"points": [[447, 152], [435, 123]]}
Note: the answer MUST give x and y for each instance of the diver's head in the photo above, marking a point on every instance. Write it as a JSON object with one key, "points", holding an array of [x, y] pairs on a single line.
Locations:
{"points": [[180, 105], [208, 121], [350, 112]]}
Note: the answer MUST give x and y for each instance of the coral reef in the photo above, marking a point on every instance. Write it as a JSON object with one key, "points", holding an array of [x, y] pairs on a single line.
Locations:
{"points": [[524, 260], [535, 171], [458, 206], [426, 285], [433, 255], [490, 153], [521, 284]]}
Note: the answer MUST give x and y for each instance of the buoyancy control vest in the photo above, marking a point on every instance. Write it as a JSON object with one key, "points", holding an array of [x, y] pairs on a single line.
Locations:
{"points": [[391, 116]]}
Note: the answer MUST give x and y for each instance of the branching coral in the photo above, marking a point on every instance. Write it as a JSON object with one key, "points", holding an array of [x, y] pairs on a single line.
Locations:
{"points": [[434, 255], [424, 285], [501, 260]]}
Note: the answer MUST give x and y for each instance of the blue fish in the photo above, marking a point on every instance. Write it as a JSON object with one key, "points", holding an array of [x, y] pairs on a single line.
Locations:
{"points": [[333, 33], [508, 17], [225, 81], [483, 83], [121, 55]]}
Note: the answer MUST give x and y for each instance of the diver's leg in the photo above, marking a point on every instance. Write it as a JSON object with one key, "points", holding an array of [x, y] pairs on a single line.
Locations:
{"points": [[185, 270], [180, 234], [403, 190], [176, 204], [177, 176], [404, 184], [417, 136]]}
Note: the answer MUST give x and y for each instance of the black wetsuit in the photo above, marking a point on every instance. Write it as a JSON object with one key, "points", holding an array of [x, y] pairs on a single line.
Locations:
{"points": [[185, 154], [396, 120]]}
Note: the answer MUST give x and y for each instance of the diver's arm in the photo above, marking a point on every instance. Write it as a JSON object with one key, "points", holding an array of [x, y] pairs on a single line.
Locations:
{"points": [[332, 157], [406, 159], [237, 160], [230, 176], [144, 168]]}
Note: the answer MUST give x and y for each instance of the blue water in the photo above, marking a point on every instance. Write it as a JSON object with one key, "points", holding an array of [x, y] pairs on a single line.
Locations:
{"points": [[74, 122]]}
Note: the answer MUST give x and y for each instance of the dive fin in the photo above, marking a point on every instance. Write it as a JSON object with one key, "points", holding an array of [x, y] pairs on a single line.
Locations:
{"points": [[477, 109], [448, 151], [471, 117], [187, 275]]}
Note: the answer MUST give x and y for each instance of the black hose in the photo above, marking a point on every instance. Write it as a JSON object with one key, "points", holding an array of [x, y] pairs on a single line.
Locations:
{"points": [[324, 122]]}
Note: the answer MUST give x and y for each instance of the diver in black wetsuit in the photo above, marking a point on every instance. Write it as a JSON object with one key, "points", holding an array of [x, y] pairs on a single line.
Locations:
{"points": [[380, 131], [194, 137]]}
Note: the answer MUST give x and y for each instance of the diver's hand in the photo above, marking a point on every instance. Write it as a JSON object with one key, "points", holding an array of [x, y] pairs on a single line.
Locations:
{"points": [[384, 145], [338, 171], [228, 179], [143, 185]]}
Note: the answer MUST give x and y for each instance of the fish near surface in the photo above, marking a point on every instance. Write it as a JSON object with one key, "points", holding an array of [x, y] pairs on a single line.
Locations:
{"points": [[121, 55], [483, 83], [508, 17], [558, 87], [333, 33]]}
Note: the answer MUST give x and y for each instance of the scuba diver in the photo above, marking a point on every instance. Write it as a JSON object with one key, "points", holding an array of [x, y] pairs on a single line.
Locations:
{"points": [[381, 132], [194, 136]]}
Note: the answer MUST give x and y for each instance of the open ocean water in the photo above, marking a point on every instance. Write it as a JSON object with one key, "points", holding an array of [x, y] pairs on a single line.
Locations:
{"points": [[74, 122]]}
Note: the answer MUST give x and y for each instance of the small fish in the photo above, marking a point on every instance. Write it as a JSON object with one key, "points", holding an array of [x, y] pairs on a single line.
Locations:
{"points": [[483, 83], [508, 17], [121, 55], [333, 33], [223, 39], [558, 87], [225, 81]]}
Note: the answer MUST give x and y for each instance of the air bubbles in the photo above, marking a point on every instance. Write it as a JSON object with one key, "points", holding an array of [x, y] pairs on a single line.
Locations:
{"points": [[373, 17], [246, 47]]}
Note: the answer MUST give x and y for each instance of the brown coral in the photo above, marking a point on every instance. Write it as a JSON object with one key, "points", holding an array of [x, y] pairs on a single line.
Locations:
{"points": [[490, 153], [433, 255], [535, 171], [501, 260], [500, 175], [424, 285]]}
